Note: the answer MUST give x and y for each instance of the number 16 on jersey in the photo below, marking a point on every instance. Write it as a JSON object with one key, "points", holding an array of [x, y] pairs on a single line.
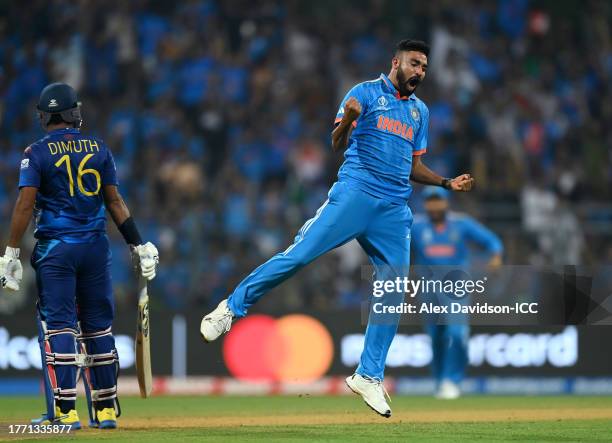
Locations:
{"points": [[80, 173]]}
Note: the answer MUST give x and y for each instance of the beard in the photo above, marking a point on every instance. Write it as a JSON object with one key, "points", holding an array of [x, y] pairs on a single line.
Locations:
{"points": [[407, 85]]}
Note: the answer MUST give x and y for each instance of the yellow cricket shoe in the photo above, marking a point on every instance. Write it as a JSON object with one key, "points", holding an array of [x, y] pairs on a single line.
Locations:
{"points": [[70, 418], [106, 418]]}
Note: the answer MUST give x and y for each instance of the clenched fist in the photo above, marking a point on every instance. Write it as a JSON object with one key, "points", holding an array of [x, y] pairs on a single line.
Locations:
{"points": [[352, 109], [462, 183]]}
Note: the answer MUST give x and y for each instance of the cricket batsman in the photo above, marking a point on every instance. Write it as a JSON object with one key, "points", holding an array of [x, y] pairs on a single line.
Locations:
{"points": [[68, 179], [383, 126], [442, 238]]}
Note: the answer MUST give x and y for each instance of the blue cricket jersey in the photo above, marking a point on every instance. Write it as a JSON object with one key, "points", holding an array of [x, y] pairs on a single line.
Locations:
{"points": [[69, 169], [389, 131], [448, 244]]}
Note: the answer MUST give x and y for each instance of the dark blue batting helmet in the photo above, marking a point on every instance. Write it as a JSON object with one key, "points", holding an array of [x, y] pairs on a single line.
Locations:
{"points": [[59, 98]]}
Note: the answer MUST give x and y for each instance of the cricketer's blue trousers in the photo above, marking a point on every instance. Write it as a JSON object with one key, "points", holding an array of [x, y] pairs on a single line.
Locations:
{"points": [[74, 287], [450, 334], [449, 344], [382, 229]]}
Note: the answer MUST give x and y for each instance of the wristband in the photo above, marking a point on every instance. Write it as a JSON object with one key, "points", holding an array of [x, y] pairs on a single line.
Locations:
{"points": [[130, 232], [446, 183], [12, 252]]}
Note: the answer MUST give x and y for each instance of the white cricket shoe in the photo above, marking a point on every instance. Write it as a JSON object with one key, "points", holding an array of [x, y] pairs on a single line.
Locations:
{"points": [[217, 323], [372, 391], [448, 391]]}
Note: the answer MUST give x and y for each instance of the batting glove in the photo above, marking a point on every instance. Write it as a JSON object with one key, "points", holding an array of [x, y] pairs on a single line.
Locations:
{"points": [[11, 271], [146, 258]]}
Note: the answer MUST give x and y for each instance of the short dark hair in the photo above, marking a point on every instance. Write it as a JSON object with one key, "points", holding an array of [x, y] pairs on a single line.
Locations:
{"points": [[56, 119], [412, 45]]}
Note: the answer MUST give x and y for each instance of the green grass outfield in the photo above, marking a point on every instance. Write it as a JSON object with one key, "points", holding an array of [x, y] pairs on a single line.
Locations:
{"points": [[344, 419]]}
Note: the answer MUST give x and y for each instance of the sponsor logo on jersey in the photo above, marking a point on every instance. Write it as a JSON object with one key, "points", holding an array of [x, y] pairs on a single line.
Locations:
{"points": [[440, 250], [25, 163]]}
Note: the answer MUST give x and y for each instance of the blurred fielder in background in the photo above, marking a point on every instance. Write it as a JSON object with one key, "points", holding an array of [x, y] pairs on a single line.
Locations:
{"points": [[384, 128], [442, 238], [71, 178]]}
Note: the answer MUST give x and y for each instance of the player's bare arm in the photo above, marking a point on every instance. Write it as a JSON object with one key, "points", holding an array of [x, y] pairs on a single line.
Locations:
{"points": [[11, 270], [342, 132], [115, 205], [146, 255], [22, 214], [422, 174]]}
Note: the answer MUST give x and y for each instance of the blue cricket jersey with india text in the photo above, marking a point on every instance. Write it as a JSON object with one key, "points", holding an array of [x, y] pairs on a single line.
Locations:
{"points": [[447, 244], [389, 131], [69, 169]]}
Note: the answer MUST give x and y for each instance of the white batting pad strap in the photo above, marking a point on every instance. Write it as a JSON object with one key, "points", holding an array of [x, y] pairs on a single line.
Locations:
{"points": [[104, 394], [90, 335], [108, 358], [57, 359], [51, 332], [65, 394]]}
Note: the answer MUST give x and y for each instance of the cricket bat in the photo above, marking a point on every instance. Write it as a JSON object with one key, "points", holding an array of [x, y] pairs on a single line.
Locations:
{"points": [[143, 341]]}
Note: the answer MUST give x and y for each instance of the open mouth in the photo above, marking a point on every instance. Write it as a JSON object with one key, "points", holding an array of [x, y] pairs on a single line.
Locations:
{"points": [[413, 81]]}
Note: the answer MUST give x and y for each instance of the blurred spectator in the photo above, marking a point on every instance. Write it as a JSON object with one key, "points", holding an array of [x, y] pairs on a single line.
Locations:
{"points": [[219, 115]]}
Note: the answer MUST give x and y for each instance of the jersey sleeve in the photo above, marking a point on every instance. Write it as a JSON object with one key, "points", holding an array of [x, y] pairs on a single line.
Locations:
{"points": [[30, 171], [109, 175], [482, 236], [420, 144], [357, 91]]}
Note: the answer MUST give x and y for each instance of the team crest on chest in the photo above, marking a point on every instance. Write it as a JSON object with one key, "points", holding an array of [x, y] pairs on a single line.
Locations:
{"points": [[414, 112]]}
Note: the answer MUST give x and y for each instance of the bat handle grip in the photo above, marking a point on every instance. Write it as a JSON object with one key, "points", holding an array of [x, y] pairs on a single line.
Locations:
{"points": [[142, 288]]}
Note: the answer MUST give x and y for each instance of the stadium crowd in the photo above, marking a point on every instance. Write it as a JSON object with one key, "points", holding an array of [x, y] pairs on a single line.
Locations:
{"points": [[219, 115]]}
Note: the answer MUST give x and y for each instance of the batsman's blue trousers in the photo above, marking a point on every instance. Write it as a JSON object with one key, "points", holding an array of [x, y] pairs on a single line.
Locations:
{"points": [[74, 283], [382, 229], [74, 286]]}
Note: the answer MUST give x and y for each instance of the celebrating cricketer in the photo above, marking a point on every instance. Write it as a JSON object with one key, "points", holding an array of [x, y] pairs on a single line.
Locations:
{"points": [[384, 127]]}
